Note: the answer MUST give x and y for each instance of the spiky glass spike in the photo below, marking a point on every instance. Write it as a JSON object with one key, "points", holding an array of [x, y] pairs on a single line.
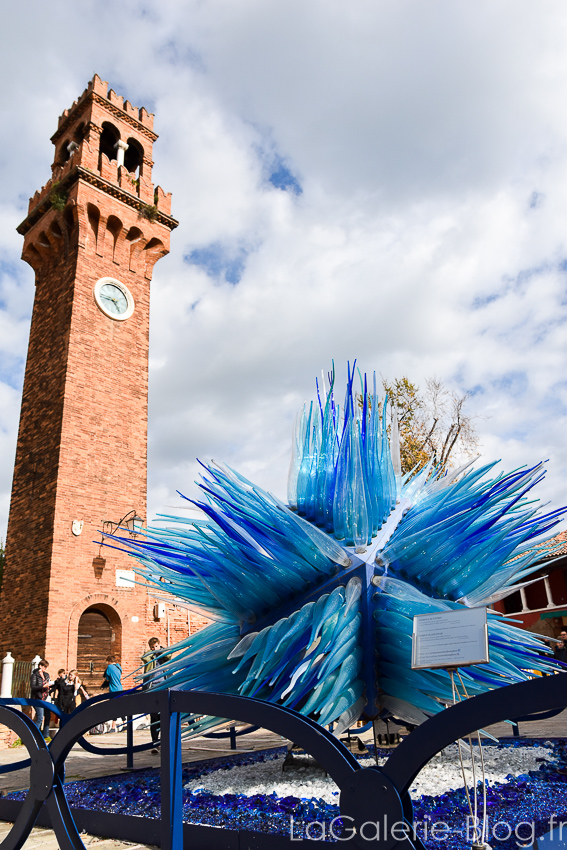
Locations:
{"points": [[312, 604]]}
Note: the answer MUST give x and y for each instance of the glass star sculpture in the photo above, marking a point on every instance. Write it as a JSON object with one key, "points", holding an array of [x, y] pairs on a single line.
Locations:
{"points": [[311, 603]]}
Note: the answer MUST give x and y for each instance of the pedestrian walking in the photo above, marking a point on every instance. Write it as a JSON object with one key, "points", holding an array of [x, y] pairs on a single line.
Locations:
{"points": [[113, 675], [151, 660], [80, 692], [56, 687], [39, 689]]}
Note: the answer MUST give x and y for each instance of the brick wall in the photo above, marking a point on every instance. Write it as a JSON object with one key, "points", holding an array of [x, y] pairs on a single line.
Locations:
{"points": [[7, 737]]}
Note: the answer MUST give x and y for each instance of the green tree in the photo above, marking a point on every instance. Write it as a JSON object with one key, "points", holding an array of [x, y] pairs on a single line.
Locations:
{"points": [[433, 424]]}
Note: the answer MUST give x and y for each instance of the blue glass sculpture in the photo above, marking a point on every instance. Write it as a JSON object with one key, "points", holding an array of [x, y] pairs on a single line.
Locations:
{"points": [[312, 603]]}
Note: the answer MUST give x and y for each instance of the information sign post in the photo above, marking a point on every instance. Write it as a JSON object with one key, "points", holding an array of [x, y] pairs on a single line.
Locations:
{"points": [[449, 640], [446, 639]]}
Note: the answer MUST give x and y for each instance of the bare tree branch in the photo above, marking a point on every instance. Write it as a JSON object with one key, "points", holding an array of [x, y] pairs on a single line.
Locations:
{"points": [[433, 424]]}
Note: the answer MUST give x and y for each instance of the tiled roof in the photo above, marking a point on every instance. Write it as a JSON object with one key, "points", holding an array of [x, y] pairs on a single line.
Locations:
{"points": [[560, 540]]}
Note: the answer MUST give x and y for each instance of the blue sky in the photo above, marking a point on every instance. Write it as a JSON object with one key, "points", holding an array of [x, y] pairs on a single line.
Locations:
{"points": [[382, 181]]}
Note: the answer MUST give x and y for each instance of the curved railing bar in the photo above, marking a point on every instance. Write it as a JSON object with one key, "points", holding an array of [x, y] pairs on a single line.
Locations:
{"points": [[290, 724], [63, 719], [339, 762], [366, 793], [358, 730], [18, 765], [48, 706], [116, 751], [240, 732], [542, 715], [24, 701], [316, 740], [102, 751], [466, 717], [77, 724], [41, 775], [84, 718]]}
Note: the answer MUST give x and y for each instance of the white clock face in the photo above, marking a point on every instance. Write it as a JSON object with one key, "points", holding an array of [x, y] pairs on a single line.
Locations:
{"points": [[114, 299]]}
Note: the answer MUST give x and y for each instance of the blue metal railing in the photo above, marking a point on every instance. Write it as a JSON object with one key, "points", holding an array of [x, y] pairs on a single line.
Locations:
{"points": [[366, 794]]}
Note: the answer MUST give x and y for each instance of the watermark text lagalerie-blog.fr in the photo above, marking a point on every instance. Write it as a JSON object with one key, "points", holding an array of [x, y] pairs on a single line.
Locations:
{"points": [[341, 829]]}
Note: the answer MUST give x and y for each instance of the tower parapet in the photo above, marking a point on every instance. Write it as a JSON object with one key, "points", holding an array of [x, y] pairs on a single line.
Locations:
{"points": [[98, 87], [103, 136]]}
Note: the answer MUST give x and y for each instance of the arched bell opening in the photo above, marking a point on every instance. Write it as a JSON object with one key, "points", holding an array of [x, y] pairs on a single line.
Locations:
{"points": [[133, 157], [79, 132], [108, 140], [63, 152]]}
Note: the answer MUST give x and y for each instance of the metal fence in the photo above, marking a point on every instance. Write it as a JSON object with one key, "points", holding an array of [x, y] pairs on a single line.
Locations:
{"points": [[21, 678], [366, 794]]}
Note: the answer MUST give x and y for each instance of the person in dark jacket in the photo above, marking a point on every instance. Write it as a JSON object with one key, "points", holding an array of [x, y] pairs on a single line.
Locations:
{"points": [[67, 698], [67, 689], [56, 688], [39, 689], [151, 661]]}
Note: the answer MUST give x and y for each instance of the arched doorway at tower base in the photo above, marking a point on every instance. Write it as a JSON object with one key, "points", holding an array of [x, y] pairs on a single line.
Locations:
{"points": [[99, 635]]}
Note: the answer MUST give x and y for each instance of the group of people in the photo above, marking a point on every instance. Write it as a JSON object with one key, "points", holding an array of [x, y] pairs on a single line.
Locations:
{"points": [[64, 692], [67, 689]]}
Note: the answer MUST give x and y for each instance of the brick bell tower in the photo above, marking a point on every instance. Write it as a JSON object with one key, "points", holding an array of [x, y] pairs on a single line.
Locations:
{"points": [[92, 235]]}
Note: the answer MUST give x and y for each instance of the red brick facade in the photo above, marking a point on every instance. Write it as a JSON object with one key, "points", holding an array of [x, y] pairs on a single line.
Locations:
{"points": [[81, 452]]}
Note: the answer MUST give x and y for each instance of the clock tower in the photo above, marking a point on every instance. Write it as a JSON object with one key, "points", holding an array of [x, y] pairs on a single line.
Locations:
{"points": [[92, 235]]}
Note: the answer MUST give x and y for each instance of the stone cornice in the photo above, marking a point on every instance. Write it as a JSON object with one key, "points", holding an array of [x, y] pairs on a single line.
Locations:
{"points": [[80, 173]]}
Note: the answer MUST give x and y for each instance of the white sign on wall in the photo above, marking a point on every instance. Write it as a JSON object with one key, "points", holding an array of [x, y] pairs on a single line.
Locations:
{"points": [[456, 638], [125, 578]]}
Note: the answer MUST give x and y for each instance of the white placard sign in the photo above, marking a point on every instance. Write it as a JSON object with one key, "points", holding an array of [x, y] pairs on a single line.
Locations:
{"points": [[126, 578], [456, 638]]}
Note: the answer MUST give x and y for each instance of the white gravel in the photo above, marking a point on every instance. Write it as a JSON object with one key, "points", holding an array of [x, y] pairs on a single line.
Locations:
{"points": [[443, 773]]}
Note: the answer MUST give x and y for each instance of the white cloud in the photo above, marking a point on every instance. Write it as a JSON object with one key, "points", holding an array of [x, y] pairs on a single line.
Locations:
{"points": [[428, 239]]}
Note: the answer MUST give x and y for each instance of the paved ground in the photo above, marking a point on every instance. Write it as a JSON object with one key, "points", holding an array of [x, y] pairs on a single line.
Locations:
{"points": [[45, 839], [555, 727], [83, 765]]}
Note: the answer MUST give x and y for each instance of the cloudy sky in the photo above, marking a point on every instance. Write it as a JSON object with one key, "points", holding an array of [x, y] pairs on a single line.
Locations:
{"points": [[378, 179]]}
